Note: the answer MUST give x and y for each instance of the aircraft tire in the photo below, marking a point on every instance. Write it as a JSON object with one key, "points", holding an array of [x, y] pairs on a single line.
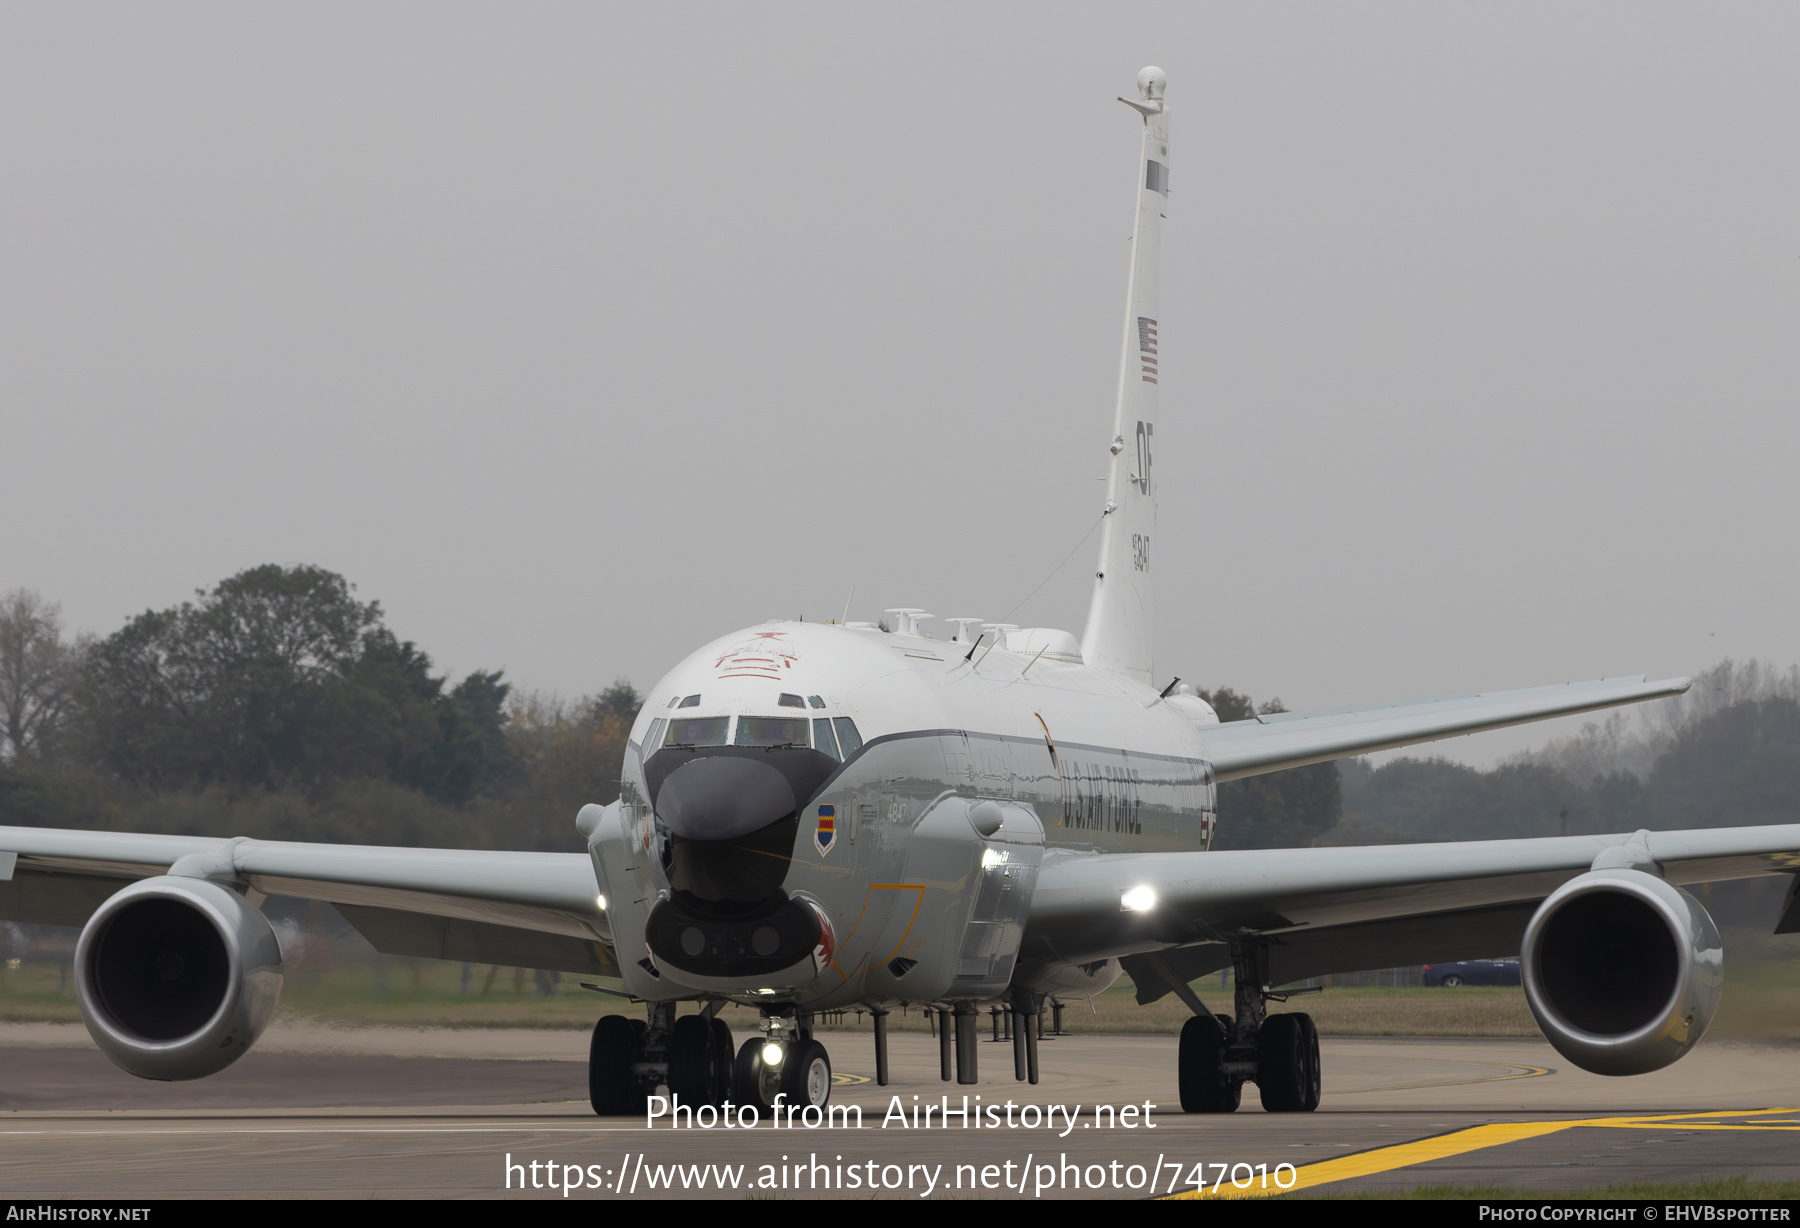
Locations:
{"points": [[612, 1086], [1280, 1064], [1203, 1089], [691, 1061], [753, 1083], [723, 1060], [806, 1075], [1451, 981], [1311, 1084]]}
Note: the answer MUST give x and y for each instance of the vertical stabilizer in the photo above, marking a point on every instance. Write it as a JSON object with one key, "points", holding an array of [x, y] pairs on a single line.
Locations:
{"points": [[1120, 623]]}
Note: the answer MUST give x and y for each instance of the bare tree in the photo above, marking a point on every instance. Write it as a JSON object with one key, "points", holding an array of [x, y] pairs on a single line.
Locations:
{"points": [[37, 671], [1630, 741]]}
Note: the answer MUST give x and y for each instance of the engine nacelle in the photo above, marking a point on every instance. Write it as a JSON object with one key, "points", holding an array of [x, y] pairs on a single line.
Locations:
{"points": [[1622, 970], [176, 977]]}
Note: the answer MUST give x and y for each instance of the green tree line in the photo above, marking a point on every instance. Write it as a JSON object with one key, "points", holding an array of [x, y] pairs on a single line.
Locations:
{"points": [[277, 704], [1288, 809], [1738, 767]]}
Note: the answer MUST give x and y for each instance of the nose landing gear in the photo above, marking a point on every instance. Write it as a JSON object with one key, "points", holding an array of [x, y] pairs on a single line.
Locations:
{"points": [[785, 1063]]}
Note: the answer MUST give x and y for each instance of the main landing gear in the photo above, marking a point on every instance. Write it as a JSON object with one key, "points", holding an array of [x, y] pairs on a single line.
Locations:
{"points": [[1279, 1053], [693, 1057]]}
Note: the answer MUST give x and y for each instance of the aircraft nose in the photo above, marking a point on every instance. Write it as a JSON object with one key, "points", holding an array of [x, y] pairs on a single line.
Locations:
{"points": [[723, 798]]}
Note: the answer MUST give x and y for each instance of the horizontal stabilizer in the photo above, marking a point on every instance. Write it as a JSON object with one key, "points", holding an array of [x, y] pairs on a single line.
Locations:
{"points": [[1280, 740]]}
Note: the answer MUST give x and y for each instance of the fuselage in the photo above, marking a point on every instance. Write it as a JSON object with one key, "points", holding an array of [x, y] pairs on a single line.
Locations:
{"points": [[884, 800]]}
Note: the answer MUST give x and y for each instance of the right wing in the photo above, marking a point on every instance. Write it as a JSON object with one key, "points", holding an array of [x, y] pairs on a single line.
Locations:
{"points": [[532, 910], [1277, 740]]}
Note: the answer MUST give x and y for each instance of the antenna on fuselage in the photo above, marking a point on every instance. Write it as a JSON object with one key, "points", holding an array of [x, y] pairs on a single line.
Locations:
{"points": [[907, 620], [1034, 660]]}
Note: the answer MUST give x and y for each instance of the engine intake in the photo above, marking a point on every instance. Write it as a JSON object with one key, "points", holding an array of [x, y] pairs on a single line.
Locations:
{"points": [[176, 977], [1623, 971]]}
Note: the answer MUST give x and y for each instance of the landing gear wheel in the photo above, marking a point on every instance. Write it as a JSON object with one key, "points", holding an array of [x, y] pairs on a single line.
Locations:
{"points": [[723, 1060], [1283, 1065], [612, 1084], [1312, 1084], [806, 1075], [754, 1082], [691, 1061], [1451, 981], [1204, 1088]]}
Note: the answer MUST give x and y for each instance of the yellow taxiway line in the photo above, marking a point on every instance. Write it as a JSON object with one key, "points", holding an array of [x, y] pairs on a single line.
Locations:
{"points": [[1475, 1138]]}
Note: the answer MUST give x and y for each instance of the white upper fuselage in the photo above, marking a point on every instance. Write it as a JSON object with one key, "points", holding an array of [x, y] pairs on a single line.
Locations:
{"points": [[896, 684]]}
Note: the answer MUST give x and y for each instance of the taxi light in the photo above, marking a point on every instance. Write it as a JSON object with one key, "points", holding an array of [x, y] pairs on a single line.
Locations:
{"points": [[1138, 899], [772, 1054], [601, 901]]}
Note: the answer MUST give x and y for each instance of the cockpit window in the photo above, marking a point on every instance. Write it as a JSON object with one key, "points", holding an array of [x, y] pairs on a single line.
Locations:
{"points": [[823, 739], [692, 701], [773, 731], [790, 701], [816, 701], [701, 731], [847, 735], [653, 736]]}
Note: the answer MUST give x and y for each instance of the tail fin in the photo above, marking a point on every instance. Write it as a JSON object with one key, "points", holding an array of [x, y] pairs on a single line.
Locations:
{"points": [[1120, 622]]}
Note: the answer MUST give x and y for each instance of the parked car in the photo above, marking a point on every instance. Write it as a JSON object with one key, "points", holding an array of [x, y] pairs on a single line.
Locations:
{"points": [[1474, 972]]}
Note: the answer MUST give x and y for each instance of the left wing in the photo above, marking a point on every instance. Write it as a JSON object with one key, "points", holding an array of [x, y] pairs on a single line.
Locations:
{"points": [[1345, 909], [1277, 740], [535, 910]]}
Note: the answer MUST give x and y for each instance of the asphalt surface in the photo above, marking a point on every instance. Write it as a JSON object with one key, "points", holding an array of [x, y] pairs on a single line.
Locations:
{"points": [[326, 1113]]}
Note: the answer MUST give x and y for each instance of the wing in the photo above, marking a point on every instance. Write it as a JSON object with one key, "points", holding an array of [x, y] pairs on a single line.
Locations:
{"points": [[1347, 909], [537, 910], [1280, 740]]}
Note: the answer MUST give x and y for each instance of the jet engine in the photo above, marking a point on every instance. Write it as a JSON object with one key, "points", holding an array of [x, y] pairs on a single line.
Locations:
{"points": [[1623, 971], [176, 977]]}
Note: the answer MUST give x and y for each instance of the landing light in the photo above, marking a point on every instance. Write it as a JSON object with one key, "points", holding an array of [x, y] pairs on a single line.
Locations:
{"points": [[772, 1054], [1138, 899], [601, 901]]}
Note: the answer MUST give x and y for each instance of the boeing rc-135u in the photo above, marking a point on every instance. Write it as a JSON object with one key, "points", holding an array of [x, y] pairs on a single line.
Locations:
{"points": [[814, 817]]}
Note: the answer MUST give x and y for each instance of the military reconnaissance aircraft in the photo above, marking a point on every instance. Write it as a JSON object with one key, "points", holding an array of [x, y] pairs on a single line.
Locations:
{"points": [[816, 817]]}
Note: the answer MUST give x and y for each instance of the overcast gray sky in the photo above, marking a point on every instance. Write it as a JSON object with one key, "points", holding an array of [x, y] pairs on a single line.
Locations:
{"points": [[580, 334]]}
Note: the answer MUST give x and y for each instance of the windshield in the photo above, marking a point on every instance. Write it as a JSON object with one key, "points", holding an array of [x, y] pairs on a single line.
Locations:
{"points": [[702, 731], [773, 731]]}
